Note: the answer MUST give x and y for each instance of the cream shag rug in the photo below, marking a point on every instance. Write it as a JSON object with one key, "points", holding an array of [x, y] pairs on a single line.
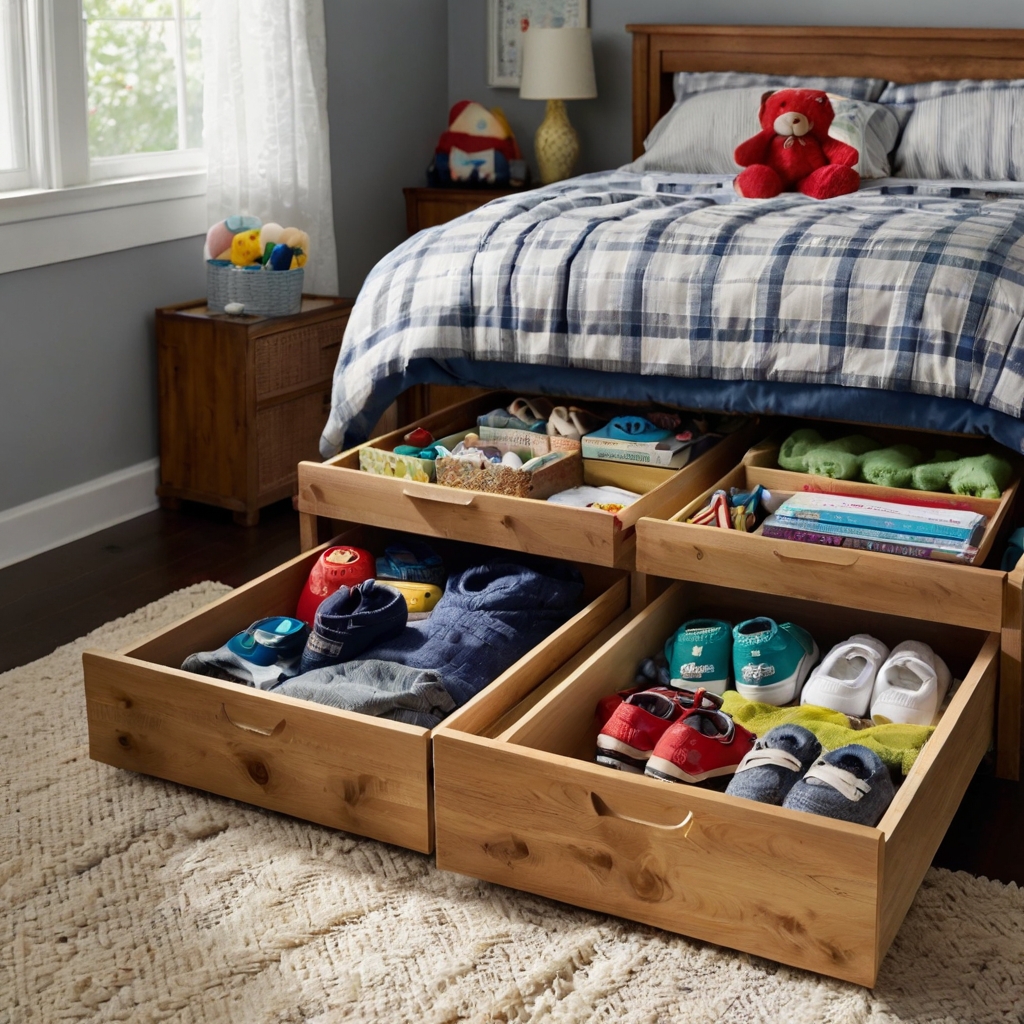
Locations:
{"points": [[124, 898]]}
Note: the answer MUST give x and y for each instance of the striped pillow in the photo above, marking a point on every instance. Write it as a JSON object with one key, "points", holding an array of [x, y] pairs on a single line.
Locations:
{"points": [[701, 132], [967, 129], [685, 83]]}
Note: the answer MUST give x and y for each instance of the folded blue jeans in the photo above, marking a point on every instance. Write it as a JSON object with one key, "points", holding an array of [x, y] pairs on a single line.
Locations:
{"points": [[489, 617]]}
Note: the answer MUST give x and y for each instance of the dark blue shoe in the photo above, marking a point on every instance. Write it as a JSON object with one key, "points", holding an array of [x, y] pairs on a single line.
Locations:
{"points": [[851, 783], [775, 764], [351, 621]]}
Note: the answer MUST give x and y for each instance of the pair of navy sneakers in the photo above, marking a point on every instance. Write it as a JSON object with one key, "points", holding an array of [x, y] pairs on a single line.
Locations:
{"points": [[769, 661]]}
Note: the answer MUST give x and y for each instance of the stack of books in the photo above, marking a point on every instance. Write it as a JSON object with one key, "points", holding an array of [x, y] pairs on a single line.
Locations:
{"points": [[917, 531]]}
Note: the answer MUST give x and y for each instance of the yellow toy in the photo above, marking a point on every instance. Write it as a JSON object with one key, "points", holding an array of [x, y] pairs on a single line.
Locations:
{"points": [[297, 239], [419, 597], [245, 248]]}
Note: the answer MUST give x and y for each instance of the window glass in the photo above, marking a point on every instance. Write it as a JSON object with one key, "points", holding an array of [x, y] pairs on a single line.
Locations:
{"points": [[144, 76], [12, 89]]}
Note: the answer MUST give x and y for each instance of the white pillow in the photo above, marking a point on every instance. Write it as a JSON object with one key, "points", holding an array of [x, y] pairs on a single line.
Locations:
{"points": [[701, 132], [966, 129]]}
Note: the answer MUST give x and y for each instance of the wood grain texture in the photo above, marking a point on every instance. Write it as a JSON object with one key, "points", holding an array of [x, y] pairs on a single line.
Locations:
{"points": [[896, 54], [796, 888], [344, 770], [925, 804], [428, 207], [339, 490], [242, 400], [506, 806]]}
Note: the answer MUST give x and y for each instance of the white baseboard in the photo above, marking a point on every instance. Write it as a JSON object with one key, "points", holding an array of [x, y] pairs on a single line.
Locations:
{"points": [[46, 523]]}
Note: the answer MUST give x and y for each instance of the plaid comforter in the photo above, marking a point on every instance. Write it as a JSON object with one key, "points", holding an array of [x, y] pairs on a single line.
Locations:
{"points": [[905, 287]]}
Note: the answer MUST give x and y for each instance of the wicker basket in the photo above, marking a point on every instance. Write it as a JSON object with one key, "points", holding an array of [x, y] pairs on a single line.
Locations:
{"points": [[261, 292]]}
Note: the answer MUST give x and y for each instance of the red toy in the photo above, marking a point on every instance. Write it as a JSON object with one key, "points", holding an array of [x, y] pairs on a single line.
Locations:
{"points": [[793, 150], [336, 567]]}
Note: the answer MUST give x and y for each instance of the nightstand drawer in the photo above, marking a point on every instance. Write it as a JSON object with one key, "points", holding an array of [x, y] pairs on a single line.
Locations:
{"points": [[531, 809], [366, 775], [298, 358]]}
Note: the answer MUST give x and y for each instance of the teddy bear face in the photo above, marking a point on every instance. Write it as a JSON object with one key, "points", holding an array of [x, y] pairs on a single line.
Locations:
{"points": [[797, 112]]}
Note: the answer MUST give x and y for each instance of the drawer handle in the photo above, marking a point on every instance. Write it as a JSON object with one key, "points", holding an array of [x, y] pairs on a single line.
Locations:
{"points": [[833, 557], [602, 810], [253, 728], [447, 495]]}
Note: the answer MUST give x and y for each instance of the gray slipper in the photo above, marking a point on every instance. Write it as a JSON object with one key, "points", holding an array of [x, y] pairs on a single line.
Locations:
{"points": [[851, 783], [775, 764]]}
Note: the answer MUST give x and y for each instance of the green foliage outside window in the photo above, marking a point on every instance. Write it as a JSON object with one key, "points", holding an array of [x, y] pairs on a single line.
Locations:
{"points": [[132, 84]]}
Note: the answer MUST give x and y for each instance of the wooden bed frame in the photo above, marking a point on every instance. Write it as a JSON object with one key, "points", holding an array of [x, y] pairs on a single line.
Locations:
{"points": [[896, 54]]}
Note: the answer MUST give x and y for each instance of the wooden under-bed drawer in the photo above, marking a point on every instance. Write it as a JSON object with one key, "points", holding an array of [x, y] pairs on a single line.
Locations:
{"points": [[966, 595], [338, 489], [366, 775], [530, 809]]}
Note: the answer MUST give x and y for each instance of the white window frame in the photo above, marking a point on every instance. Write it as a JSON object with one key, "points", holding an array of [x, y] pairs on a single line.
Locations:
{"points": [[72, 207]]}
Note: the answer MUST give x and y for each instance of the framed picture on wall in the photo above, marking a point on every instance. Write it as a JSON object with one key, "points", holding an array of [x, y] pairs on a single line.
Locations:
{"points": [[507, 20]]}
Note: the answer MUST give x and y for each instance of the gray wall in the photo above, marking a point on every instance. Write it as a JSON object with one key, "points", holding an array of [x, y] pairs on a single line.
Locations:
{"points": [[604, 124], [78, 364], [77, 346], [387, 76]]}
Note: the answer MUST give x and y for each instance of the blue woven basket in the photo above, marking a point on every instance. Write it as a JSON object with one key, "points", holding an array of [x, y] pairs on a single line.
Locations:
{"points": [[261, 292]]}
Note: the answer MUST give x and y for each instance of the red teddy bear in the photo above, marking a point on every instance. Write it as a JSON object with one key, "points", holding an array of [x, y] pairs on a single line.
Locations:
{"points": [[793, 150]]}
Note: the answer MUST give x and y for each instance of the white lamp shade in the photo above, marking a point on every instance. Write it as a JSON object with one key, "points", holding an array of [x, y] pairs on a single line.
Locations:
{"points": [[558, 64]]}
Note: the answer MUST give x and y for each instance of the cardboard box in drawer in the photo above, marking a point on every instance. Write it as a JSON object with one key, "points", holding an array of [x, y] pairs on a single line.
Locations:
{"points": [[366, 775], [529, 808]]}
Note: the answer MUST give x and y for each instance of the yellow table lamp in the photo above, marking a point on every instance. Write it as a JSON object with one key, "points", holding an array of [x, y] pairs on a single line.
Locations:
{"points": [[558, 65]]}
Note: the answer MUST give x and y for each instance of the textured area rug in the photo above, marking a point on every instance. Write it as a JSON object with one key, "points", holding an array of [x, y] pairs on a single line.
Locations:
{"points": [[124, 898]]}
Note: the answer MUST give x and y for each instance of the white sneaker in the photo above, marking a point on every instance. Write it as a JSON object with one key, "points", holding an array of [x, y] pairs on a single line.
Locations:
{"points": [[845, 679], [911, 685]]}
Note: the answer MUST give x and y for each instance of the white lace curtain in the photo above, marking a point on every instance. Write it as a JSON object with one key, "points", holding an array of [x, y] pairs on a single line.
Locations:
{"points": [[265, 121]]}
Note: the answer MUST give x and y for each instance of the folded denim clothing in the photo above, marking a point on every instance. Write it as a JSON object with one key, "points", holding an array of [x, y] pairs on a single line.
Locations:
{"points": [[351, 620], [383, 689], [489, 617]]}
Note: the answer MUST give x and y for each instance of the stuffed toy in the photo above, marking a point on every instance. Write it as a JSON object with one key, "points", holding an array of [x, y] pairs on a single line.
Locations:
{"points": [[856, 457], [806, 451], [793, 150], [477, 149], [983, 476]]}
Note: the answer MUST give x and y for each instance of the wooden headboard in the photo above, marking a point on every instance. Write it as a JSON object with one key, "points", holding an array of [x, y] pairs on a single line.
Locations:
{"points": [[898, 54]]}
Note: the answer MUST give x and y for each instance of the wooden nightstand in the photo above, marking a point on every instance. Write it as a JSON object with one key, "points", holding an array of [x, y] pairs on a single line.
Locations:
{"points": [[242, 400], [428, 207]]}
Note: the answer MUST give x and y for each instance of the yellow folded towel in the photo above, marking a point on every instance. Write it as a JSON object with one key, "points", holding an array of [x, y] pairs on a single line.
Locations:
{"points": [[897, 745]]}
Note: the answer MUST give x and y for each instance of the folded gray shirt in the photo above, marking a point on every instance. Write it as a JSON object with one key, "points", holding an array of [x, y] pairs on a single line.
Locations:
{"points": [[383, 689]]}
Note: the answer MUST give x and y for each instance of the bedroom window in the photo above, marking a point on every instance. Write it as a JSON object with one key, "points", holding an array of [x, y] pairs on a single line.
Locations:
{"points": [[101, 112]]}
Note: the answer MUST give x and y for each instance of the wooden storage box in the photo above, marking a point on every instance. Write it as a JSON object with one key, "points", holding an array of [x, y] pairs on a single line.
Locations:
{"points": [[963, 595], [384, 462], [529, 808], [365, 775], [337, 490]]}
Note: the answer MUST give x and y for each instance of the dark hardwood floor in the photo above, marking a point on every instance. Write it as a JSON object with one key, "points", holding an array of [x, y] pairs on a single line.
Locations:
{"points": [[58, 596]]}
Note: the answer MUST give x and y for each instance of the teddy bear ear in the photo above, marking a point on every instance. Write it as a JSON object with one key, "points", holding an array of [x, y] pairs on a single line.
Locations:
{"points": [[764, 100]]}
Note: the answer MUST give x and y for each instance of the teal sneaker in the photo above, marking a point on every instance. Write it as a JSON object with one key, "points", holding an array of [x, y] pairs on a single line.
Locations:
{"points": [[771, 661], [698, 655]]}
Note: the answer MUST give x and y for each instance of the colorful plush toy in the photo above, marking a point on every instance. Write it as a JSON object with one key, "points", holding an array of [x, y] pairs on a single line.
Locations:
{"points": [[477, 149], [806, 451], [793, 150]]}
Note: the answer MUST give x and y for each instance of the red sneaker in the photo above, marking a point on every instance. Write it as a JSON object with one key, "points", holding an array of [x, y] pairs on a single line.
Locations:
{"points": [[636, 725], [701, 745], [334, 568]]}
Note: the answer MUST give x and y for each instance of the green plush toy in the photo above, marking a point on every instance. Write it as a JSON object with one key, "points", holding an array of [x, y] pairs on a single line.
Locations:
{"points": [[806, 451], [983, 476], [890, 467]]}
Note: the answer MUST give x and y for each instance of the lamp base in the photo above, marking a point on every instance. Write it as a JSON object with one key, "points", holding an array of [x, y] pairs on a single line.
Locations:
{"points": [[556, 143]]}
